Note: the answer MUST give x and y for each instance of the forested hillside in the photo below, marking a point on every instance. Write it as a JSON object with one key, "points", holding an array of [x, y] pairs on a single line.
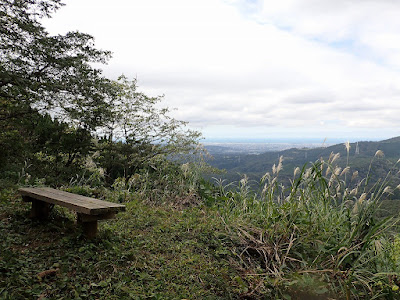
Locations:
{"points": [[358, 158]]}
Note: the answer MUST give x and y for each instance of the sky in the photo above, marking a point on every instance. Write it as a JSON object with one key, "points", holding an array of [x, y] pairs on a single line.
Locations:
{"points": [[252, 69]]}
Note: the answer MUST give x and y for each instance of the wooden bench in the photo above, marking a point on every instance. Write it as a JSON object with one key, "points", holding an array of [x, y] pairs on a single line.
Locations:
{"points": [[89, 210]]}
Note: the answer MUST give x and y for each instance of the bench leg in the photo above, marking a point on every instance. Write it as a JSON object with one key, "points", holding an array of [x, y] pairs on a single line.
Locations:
{"points": [[40, 210], [89, 227]]}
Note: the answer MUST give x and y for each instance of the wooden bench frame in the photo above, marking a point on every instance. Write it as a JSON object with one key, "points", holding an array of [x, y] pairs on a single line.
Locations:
{"points": [[89, 210]]}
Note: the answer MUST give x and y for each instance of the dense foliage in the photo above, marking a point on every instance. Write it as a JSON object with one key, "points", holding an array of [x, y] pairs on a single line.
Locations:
{"points": [[46, 73], [62, 121]]}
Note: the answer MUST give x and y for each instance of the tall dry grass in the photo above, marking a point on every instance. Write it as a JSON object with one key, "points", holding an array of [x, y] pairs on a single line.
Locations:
{"points": [[318, 236]]}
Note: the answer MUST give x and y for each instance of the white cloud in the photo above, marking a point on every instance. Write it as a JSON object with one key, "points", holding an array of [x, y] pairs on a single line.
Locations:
{"points": [[255, 66], [368, 27]]}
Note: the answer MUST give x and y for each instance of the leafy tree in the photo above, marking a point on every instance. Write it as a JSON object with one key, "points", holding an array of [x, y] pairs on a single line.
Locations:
{"points": [[44, 72], [141, 131], [56, 108], [45, 147], [138, 118]]}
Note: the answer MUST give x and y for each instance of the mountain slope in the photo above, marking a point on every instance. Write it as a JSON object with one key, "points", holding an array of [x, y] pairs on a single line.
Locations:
{"points": [[359, 159]]}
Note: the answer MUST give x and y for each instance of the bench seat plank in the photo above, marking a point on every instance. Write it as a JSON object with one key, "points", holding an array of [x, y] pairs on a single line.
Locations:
{"points": [[95, 203], [81, 204]]}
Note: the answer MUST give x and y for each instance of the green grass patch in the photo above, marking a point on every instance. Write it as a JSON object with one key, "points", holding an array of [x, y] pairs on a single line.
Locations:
{"points": [[145, 253], [320, 238]]}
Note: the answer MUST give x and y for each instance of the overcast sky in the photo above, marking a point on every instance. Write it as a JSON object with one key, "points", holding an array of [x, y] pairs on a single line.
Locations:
{"points": [[256, 69]]}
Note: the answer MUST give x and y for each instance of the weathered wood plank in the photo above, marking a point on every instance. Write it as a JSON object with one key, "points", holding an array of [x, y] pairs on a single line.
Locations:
{"points": [[80, 204], [82, 198], [90, 202], [60, 197], [73, 204]]}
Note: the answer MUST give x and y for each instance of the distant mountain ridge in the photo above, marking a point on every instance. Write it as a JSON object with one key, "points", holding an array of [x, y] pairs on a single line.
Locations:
{"points": [[359, 157], [392, 140]]}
